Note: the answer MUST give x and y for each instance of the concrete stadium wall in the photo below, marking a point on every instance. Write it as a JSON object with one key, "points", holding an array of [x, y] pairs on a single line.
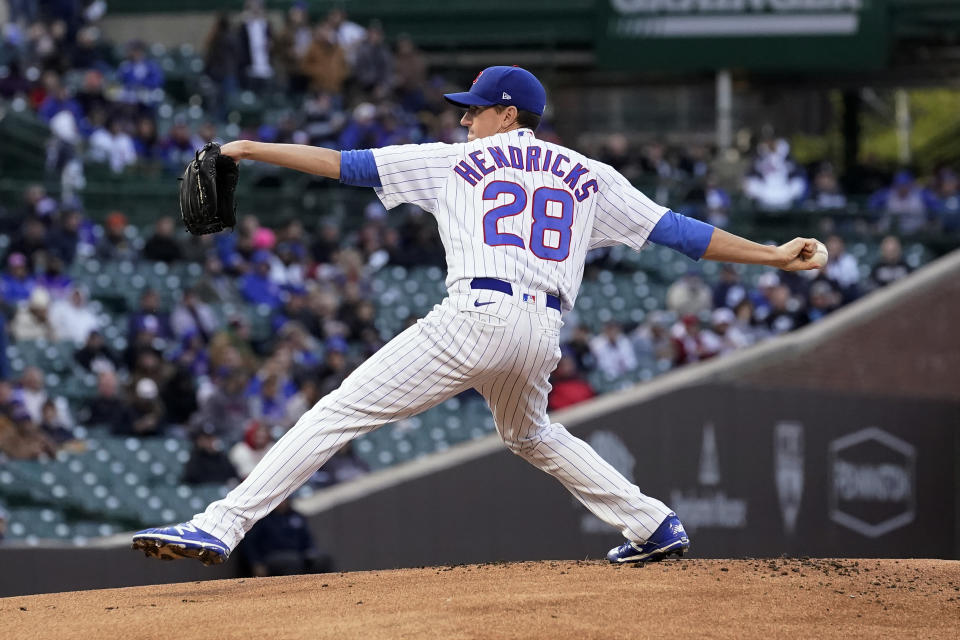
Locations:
{"points": [[750, 474]]}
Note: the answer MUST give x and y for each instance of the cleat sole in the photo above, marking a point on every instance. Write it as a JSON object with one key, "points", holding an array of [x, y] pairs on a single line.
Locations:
{"points": [[162, 550]]}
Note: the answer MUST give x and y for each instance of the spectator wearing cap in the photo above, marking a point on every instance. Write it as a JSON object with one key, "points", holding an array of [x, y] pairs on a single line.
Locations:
{"points": [[363, 131], [692, 342], [208, 464], [689, 295], [775, 183], [766, 283], [785, 313], [613, 351], [162, 246], [71, 319], [32, 320], [903, 202], [18, 284], [256, 287], [281, 545], [21, 439], [569, 387], [245, 455], [822, 299], [147, 411], [95, 356], [890, 266], [115, 245], [728, 291], [108, 407], [729, 334]]}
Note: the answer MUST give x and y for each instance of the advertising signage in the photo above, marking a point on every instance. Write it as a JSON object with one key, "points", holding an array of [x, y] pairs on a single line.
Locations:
{"points": [[797, 35]]}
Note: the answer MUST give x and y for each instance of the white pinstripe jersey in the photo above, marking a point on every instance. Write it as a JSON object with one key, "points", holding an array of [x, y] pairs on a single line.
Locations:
{"points": [[512, 207]]}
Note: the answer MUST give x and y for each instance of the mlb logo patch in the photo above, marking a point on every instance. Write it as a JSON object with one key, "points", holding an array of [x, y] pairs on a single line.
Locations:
{"points": [[529, 298]]}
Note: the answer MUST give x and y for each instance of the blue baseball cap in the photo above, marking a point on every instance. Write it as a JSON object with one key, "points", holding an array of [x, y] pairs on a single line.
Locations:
{"points": [[508, 86]]}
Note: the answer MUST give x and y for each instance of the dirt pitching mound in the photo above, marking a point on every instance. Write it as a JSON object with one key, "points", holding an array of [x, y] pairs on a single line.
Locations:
{"points": [[559, 599]]}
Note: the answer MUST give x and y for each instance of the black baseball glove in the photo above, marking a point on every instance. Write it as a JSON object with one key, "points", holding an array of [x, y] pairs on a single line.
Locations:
{"points": [[206, 191]]}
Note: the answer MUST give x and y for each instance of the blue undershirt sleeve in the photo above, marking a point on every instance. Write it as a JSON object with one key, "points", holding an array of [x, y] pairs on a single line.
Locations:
{"points": [[359, 168], [689, 236]]}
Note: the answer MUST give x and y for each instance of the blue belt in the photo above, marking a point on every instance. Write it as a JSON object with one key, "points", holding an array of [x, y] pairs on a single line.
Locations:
{"points": [[505, 287]]}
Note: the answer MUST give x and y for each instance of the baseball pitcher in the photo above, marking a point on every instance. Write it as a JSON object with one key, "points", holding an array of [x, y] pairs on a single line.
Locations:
{"points": [[517, 216]]}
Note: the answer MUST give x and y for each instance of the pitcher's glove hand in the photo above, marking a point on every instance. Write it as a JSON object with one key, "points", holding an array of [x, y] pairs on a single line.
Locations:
{"points": [[206, 191]]}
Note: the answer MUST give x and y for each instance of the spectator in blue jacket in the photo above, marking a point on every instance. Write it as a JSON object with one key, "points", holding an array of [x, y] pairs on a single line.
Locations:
{"points": [[18, 284], [139, 74], [256, 287], [60, 99], [905, 201]]}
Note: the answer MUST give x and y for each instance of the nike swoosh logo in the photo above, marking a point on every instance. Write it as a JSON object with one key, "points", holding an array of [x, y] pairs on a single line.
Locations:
{"points": [[477, 303]]}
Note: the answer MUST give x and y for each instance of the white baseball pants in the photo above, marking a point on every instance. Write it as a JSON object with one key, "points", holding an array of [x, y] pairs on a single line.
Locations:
{"points": [[506, 350]]}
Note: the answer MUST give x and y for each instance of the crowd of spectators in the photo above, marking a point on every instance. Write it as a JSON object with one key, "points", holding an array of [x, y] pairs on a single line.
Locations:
{"points": [[351, 87], [189, 373], [184, 370], [763, 175], [706, 319]]}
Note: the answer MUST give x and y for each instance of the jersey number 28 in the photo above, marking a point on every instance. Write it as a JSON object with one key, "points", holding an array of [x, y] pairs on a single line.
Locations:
{"points": [[559, 242]]}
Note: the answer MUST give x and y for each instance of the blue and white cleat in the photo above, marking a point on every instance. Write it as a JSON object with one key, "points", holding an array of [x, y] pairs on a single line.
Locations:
{"points": [[669, 539], [181, 541]]}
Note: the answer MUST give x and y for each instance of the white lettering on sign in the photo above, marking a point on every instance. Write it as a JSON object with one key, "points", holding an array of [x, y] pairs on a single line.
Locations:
{"points": [[871, 482], [732, 6]]}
